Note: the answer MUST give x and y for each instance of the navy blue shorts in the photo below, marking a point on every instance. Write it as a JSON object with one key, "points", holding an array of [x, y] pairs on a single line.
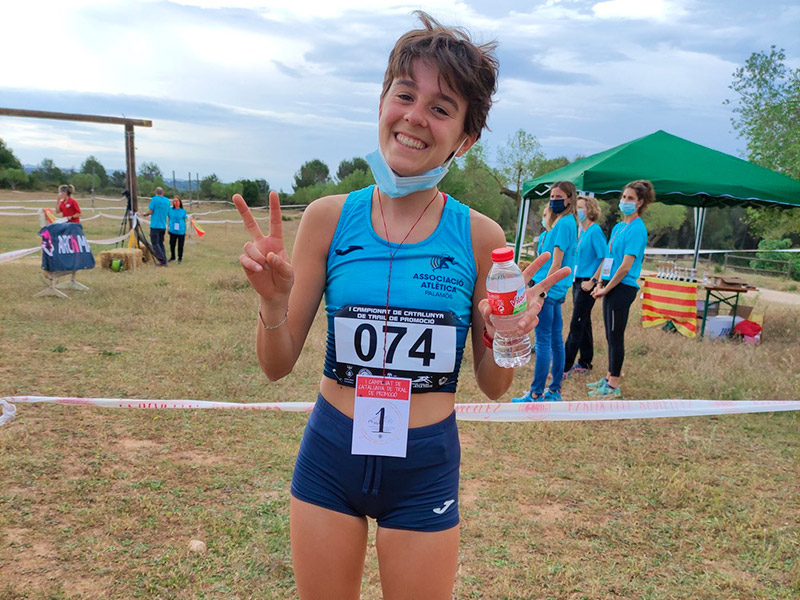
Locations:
{"points": [[417, 493]]}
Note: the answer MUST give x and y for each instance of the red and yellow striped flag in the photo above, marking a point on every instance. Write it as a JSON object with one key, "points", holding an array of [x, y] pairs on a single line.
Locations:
{"points": [[48, 214], [666, 300], [198, 230]]}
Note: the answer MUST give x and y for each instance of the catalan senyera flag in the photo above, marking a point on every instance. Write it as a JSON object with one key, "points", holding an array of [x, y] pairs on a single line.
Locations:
{"points": [[198, 230], [666, 300], [48, 214]]}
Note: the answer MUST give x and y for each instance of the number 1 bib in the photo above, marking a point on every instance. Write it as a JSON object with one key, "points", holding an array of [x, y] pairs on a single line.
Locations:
{"points": [[380, 416]]}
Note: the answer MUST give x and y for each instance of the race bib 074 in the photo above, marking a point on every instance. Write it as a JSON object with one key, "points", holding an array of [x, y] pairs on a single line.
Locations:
{"points": [[407, 342]]}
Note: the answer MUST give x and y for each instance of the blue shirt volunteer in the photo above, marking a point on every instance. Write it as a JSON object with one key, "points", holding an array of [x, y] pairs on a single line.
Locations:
{"points": [[160, 206], [627, 239], [177, 221], [592, 247], [563, 235]]}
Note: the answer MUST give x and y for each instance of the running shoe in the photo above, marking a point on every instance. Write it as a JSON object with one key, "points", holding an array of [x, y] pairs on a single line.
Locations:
{"points": [[551, 396], [528, 397], [598, 383], [605, 391]]}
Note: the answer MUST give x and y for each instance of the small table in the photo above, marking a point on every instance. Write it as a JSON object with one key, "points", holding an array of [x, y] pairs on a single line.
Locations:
{"points": [[725, 294]]}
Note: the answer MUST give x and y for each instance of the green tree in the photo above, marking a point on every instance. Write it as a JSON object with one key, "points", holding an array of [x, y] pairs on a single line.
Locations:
{"points": [[263, 187], [13, 177], [520, 159], [661, 219], [767, 115], [7, 157], [48, 172], [206, 185], [150, 171], [118, 180], [250, 192], [83, 182], [92, 166], [346, 167], [310, 173]]}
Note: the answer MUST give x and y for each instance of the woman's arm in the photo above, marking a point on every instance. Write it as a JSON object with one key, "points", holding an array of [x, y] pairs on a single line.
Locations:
{"points": [[492, 380], [622, 271]]}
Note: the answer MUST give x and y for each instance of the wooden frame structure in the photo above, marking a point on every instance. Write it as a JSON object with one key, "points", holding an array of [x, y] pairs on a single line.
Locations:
{"points": [[130, 157]]}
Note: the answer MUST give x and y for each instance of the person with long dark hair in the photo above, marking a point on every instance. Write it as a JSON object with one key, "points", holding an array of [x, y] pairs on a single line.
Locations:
{"points": [[176, 219], [618, 274]]}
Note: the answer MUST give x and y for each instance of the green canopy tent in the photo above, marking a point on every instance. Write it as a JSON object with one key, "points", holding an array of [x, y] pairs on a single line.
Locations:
{"points": [[682, 172]]}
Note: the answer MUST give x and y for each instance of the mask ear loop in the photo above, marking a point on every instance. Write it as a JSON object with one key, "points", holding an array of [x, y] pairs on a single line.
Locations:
{"points": [[452, 157]]}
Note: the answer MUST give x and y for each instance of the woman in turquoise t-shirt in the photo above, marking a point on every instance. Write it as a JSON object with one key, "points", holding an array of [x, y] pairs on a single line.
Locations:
{"points": [[592, 247], [561, 242], [619, 273], [176, 223]]}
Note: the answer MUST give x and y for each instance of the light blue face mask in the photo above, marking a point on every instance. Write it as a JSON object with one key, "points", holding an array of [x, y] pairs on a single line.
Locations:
{"points": [[581, 214], [544, 223], [397, 186], [627, 208]]}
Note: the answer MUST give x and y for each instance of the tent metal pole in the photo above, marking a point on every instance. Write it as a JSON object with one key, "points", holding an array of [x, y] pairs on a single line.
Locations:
{"points": [[522, 220], [699, 226]]}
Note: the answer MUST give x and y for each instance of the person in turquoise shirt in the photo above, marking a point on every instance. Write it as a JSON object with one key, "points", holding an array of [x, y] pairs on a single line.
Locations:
{"points": [[158, 208], [561, 242], [176, 217], [619, 273], [591, 251]]}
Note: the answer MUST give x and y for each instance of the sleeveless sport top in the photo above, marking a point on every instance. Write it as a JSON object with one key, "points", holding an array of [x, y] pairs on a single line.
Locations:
{"points": [[422, 335]]}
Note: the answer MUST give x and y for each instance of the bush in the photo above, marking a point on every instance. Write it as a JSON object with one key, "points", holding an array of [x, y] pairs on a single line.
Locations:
{"points": [[781, 244]]}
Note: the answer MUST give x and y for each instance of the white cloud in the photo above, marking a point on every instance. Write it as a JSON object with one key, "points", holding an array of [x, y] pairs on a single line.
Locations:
{"points": [[653, 10]]}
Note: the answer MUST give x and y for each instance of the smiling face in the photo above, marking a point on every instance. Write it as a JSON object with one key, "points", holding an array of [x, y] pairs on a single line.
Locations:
{"points": [[421, 122]]}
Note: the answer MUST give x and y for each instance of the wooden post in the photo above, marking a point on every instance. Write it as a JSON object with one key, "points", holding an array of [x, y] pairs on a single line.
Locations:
{"points": [[130, 162]]}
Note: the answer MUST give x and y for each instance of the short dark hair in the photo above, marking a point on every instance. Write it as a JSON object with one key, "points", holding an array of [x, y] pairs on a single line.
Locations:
{"points": [[468, 68]]}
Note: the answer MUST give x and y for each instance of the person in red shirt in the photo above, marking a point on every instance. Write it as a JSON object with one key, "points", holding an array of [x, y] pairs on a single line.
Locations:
{"points": [[67, 205]]}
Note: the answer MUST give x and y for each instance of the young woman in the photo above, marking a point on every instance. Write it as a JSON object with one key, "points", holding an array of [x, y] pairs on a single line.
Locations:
{"points": [[560, 241], [619, 273], [591, 251], [67, 205], [402, 267], [176, 225]]}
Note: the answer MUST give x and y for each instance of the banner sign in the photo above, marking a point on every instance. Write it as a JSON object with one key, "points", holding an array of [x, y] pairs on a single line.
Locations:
{"points": [[65, 248]]}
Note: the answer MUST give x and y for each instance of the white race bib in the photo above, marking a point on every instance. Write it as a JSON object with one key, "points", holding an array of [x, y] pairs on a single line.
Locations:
{"points": [[380, 416], [607, 264], [414, 343]]}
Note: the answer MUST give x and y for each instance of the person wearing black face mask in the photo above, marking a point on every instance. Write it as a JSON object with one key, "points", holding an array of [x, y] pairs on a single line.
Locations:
{"points": [[561, 241]]}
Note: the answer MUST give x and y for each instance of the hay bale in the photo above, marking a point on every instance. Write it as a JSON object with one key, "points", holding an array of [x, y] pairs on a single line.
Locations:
{"points": [[130, 257]]}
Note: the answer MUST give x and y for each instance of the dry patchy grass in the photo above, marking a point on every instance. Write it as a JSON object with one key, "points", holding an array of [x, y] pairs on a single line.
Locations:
{"points": [[103, 503]]}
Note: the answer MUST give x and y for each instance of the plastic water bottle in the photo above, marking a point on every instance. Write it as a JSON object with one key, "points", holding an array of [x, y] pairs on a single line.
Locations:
{"points": [[505, 288]]}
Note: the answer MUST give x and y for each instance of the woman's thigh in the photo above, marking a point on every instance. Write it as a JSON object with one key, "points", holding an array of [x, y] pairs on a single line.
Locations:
{"points": [[417, 564], [328, 550]]}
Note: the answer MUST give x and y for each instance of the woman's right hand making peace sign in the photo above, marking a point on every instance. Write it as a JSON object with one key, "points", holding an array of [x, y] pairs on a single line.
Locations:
{"points": [[265, 260]]}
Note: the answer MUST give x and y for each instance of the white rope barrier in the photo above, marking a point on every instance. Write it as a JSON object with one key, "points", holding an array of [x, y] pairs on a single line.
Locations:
{"points": [[580, 410]]}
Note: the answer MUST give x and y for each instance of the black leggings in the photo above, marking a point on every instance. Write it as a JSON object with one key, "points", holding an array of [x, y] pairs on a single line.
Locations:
{"points": [[616, 306], [173, 237], [580, 328]]}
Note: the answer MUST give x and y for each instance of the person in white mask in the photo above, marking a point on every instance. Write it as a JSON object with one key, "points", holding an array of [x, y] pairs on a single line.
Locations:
{"points": [[618, 274], [592, 246], [402, 267]]}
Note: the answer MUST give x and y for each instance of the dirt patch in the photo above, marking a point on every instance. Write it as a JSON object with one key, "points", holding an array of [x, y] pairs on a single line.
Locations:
{"points": [[791, 298]]}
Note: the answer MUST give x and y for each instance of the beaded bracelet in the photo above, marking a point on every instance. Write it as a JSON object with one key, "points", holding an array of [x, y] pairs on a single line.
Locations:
{"points": [[264, 325]]}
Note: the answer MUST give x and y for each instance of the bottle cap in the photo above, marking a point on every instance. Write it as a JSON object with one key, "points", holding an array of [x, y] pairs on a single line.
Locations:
{"points": [[502, 255]]}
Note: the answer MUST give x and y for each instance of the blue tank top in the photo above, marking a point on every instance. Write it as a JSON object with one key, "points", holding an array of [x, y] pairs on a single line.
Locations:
{"points": [[422, 334]]}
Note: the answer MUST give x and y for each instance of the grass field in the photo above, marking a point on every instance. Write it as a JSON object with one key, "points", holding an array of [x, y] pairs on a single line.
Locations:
{"points": [[100, 503]]}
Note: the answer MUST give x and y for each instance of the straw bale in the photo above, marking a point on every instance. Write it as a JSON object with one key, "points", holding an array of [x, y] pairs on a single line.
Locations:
{"points": [[131, 257]]}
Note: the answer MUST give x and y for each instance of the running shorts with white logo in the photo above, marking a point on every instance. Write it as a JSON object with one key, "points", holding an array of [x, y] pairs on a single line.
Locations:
{"points": [[416, 493]]}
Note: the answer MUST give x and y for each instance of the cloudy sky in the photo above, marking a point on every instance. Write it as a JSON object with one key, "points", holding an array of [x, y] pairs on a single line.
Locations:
{"points": [[254, 88]]}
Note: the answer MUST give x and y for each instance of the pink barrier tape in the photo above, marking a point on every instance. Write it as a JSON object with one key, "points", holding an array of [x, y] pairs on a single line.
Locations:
{"points": [[579, 410]]}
